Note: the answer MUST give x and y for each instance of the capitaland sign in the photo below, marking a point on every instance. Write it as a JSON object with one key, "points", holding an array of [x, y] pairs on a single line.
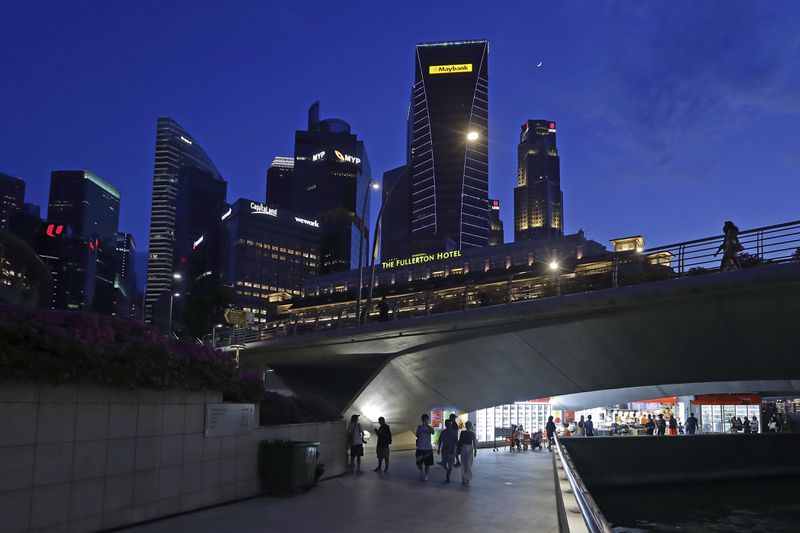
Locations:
{"points": [[261, 209], [312, 223], [417, 259], [450, 69], [344, 158]]}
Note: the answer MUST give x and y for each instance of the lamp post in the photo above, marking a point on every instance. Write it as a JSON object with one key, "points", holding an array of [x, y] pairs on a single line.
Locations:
{"points": [[371, 184], [471, 136], [214, 334], [172, 295], [556, 268]]}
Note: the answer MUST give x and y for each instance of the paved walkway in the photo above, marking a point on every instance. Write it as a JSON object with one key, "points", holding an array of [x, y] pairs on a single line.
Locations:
{"points": [[509, 492]]}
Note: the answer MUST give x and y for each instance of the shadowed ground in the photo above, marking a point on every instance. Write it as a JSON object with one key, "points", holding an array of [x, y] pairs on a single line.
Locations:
{"points": [[509, 492]]}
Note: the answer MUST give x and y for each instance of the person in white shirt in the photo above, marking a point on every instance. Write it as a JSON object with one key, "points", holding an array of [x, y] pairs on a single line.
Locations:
{"points": [[355, 441], [424, 454]]}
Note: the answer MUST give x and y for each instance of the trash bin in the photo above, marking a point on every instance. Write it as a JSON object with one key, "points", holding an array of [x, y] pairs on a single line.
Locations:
{"points": [[285, 466]]}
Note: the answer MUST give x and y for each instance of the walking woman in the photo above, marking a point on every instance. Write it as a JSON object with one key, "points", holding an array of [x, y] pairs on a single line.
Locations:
{"points": [[468, 450], [730, 248]]}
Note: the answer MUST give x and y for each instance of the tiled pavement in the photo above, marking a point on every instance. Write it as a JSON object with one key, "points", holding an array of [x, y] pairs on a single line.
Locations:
{"points": [[509, 492]]}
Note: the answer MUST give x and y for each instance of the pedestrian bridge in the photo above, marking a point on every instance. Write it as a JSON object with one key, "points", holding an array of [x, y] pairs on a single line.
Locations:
{"points": [[727, 328]]}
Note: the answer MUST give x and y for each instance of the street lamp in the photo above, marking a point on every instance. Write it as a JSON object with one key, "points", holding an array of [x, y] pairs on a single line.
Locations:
{"points": [[176, 276], [556, 268], [172, 297], [374, 185], [214, 334], [473, 136]]}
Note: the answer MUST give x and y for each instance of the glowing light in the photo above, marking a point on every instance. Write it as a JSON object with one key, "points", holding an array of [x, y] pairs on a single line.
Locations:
{"points": [[553, 265], [472, 136], [184, 139], [376, 185], [227, 213], [176, 295], [176, 275], [198, 242]]}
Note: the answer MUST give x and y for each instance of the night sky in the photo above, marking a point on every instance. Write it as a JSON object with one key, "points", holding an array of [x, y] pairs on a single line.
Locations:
{"points": [[672, 116]]}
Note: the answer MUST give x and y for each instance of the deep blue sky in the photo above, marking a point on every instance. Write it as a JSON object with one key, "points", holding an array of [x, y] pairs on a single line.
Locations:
{"points": [[672, 116]]}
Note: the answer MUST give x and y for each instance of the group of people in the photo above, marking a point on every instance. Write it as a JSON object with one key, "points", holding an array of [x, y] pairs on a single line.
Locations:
{"points": [[456, 449], [743, 426]]}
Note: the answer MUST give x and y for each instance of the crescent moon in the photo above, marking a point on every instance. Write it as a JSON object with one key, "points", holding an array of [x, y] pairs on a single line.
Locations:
{"points": [[539, 64]]}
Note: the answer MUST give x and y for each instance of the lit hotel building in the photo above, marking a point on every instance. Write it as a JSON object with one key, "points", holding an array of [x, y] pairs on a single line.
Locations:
{"points": [[267, 253], [538, 201], [449, 151], [178, 157]]}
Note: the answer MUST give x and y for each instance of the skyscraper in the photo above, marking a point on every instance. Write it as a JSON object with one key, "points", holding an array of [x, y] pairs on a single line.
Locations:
{"points": [[177, 154], [84, 202], [331, 175], [279, 182], [538, 201], [129, 301], [449, 121], [396, 220], [496, 235], [12, 197]]}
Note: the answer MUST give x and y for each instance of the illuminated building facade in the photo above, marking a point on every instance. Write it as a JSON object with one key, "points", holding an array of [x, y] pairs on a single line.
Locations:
{"points": [[84, 202], [449, 151], [279, 182], [331, 175], [538, 201], [12, 197], [267, 254], [496, 235], [177, 155]]}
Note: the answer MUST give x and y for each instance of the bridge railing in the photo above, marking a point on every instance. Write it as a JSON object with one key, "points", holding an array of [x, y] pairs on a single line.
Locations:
{"points": [[779, 243], [592, 516]]}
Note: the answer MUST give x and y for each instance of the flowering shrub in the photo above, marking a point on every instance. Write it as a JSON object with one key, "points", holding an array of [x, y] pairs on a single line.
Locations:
{"points": [[278, 409], [63, 346]]}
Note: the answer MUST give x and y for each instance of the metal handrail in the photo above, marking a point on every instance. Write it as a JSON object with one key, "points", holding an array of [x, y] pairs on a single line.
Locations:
{"points": [[766, 245], [592, 515]]}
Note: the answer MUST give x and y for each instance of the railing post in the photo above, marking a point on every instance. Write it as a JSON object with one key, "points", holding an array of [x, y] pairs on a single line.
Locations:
{"points": [[339, 318], [394, 309], [464, 297], [427, 303], [508, 288]]}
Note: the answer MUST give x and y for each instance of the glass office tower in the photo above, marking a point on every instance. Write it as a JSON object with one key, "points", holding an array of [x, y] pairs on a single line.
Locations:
{"points": [[177, 154], [538, 201], [449, 151], [84, 202]]}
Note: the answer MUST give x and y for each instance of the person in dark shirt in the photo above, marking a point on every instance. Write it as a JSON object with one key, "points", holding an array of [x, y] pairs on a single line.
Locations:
{"points": [[454, 423], [550, 427], [650, 426], [661, 425], [448, 440], [384, 433], [383, 310], [588, 426], [691, 424], [468, 450]]}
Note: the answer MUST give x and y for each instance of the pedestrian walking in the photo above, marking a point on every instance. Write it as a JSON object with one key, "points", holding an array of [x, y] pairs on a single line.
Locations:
{"points": [[588, 426], [581, 432], [673, 425], [454, 424], [661, 425], [550, 427], [468, 450], [355, 440], [754, 425], [424, 454], [691, 424], [448, 442], [730, 248], [746, 425], [384, 433], [383, 310]]}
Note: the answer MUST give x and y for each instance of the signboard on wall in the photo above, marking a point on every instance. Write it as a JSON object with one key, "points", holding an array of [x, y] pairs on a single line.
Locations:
{"points": [[229, 419]]}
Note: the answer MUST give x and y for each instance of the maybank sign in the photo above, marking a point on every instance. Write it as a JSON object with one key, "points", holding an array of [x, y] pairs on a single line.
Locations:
{"points": [[416, 259], [449, 69]]}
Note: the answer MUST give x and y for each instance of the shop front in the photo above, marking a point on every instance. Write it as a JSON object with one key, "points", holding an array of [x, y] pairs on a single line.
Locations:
{"points": [[717, 411]]}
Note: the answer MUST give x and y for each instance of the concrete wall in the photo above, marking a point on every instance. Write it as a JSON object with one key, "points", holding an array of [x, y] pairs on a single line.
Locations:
{"points": [[627, 461], [83, 458]]}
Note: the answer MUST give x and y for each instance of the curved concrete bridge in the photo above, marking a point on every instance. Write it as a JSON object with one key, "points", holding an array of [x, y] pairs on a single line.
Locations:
{"points": [[676, 335]]}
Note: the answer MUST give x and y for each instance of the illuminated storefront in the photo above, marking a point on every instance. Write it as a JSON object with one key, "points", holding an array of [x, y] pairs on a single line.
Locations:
{"points": [[715, 411], [494, 423]]}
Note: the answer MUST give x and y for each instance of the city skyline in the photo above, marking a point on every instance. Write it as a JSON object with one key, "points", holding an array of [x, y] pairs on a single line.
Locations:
{"points": [[624, 149]]}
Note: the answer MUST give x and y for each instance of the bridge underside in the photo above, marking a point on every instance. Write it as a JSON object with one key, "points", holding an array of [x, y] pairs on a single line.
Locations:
{"points": [[733, 327]]}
